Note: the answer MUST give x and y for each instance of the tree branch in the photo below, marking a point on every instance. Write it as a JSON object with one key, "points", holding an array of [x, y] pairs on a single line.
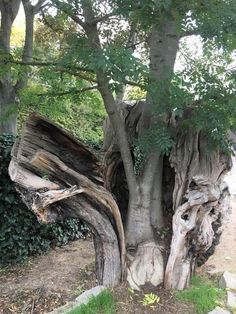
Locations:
{"points": [[134, 45], [57, 68], [109, 101], [8, 10], [130, 41], [39, 5], [132, 83], [189, 33], [71, 91], [103, 18], [48, 63], [70, 13], [29, 38]]}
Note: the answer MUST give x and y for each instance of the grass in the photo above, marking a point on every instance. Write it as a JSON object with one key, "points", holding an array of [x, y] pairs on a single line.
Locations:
{"points": [[203, 293], [104, 303]]}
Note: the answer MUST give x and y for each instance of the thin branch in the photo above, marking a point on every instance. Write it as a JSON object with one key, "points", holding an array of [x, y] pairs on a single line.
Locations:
{"points": [[70, 13], [71, 91], [103, 18], [39, 5], [130, 42], [49, 63], [189, 33], [131, 83], [69, 70], [134, 45]]}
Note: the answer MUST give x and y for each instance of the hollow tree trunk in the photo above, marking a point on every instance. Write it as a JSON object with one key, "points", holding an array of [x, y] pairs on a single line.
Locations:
{"points": [[60, 177]]}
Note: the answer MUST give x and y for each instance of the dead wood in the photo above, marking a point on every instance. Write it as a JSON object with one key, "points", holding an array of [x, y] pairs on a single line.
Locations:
{"points": [[60, 177]]}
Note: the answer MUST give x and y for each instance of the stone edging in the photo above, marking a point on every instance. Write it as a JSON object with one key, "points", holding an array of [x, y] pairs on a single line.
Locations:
{"points": [[81, 299]]}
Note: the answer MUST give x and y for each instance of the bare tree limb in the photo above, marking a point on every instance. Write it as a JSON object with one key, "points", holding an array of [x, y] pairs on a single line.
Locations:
{"points": [[69, 70], [134, 45]]}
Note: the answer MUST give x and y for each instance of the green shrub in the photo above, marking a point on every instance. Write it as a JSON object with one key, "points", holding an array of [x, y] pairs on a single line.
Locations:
{"points": [[21, 235]]}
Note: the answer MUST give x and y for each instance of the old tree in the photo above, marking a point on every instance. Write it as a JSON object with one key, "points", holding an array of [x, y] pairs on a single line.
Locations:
{"points": [[154, 197]]}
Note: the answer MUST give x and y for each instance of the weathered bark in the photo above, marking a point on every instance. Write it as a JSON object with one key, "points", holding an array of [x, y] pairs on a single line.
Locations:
{"points": [[59, 177], [200, 201], [189, 161]]}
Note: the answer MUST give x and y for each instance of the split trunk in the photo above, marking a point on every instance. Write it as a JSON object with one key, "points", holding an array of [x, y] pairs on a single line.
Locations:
{"points": [[160, 233]]}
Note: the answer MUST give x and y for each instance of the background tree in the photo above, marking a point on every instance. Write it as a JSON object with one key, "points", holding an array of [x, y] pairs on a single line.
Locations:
{"points": [[10, 83], [171, 149]]}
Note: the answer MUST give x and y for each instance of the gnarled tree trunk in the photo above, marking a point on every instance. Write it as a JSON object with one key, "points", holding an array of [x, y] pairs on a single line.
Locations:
{"points": [[200, 201], [59, 177]]}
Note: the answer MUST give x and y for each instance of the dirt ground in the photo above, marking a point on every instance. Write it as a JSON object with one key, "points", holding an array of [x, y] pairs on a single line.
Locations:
{"points": [[48, 281], [224, 257], [51, 280]]}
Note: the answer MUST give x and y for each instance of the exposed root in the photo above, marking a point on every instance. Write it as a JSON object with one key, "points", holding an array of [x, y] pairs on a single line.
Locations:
{"points": [[146, 266]]}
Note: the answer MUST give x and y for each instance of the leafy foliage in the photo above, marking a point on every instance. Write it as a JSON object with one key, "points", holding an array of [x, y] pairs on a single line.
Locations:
{"points": [[21, 235], [200, 87], [157, 138], [206, 88], [56, 94]]}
